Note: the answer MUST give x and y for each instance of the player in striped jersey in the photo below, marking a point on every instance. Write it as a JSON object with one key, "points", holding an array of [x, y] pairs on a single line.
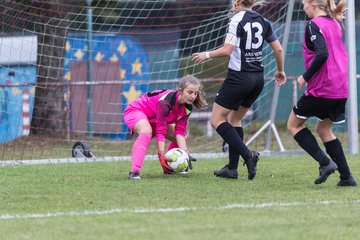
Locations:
{"points": [[244, 42]]}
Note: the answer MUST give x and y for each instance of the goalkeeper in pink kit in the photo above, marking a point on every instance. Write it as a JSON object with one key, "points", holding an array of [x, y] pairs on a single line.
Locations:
{"points": [[162, 114]]}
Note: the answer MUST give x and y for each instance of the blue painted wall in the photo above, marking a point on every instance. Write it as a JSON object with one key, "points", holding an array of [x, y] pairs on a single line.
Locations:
{"points": [[11, 102]]}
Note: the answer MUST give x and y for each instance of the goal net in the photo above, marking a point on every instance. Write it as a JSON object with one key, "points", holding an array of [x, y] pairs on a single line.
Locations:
{"points": [[69, 68]]}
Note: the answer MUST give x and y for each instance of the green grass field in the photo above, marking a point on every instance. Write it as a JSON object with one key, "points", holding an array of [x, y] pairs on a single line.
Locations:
{"points": [[97, 201]]}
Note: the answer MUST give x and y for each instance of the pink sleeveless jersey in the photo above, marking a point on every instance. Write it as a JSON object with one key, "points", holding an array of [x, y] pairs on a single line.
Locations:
{"points": [[331, 81], [156, 105]]}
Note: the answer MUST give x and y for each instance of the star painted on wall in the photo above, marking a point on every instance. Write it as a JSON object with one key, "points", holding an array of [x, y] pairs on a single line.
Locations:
{"points": [[79, 54], [122, 48], [136, 67], [66, 99], [122, 74], [66, 96], [16, 91], [99, 57], [132, 94], [114, 58], [68, 76], [67, 46]]}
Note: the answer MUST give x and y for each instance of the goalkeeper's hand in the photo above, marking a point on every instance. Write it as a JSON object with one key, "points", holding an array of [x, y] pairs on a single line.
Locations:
{"points": [[163, 162]]}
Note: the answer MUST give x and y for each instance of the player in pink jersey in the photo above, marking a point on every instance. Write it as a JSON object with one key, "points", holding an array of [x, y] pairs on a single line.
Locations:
{"points": [[326, 78], [162, 114]]}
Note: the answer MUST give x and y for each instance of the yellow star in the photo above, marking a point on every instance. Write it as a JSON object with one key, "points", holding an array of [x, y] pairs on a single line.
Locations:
{"points": [[16, 91], [99, 57], [132, 94], [122, 74], [136, 67], [114, 58], [66, 96], [68, 76], [79, 54], [67, 46], [122, 48]]}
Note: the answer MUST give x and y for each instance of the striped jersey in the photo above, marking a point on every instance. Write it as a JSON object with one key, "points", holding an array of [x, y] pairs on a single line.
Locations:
{"points": [[251, 30]]}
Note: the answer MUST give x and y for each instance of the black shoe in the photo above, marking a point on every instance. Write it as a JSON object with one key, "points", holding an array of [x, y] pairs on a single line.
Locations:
{"points": [[348, 182], [225, 172], [325, 171], [134, 175], [251, 164]]}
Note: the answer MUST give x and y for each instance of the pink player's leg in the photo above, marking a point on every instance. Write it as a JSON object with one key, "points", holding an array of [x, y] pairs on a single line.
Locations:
{"points": [[139, 151]]}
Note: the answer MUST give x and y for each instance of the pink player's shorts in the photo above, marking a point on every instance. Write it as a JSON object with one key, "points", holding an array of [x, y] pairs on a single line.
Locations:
{"points": [[132, 116]]}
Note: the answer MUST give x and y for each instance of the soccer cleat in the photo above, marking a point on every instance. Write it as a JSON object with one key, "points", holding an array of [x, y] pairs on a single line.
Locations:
{"points": [[134, 175], [251, 164], [347, 183], [325, 171], [225, 172]]}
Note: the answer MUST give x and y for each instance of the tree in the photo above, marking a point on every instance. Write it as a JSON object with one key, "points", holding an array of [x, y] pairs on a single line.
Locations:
{"points": [[50, 21], [51, 28]]}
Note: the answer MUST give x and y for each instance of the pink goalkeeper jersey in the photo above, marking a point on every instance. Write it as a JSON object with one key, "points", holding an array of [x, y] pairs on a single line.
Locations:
{"points": [[162, 108], [331, 81]]}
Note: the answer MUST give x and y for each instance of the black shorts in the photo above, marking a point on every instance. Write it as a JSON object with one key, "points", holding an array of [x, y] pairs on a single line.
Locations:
{"points": [[322, 108], [240, 88]]}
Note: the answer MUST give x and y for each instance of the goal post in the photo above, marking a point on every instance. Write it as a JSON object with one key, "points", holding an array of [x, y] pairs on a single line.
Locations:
{"points": [[72, 67], [353, 105]]}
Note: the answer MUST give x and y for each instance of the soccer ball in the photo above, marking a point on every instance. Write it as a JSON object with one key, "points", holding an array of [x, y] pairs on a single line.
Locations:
{"points": [[180, 159]]}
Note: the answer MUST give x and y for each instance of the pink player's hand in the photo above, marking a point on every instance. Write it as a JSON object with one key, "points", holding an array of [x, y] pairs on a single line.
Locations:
{"points": [[163, 162], [301, 81]]}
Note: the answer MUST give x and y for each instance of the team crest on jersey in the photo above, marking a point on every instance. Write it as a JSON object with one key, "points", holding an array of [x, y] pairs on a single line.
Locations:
{"points": [[229, 38]]}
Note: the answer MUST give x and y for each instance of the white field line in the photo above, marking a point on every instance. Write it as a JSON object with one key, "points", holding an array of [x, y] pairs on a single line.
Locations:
{"points": [[7, 163], [166, 210]]}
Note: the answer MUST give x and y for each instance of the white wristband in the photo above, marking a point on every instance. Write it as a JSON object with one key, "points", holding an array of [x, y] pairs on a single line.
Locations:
{"points": [[207, 55]]}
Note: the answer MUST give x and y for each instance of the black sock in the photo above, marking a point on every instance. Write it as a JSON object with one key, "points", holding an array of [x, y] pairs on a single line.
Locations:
{"points": [[234, 156], [308, 142], [229, 134], [336, 152]]}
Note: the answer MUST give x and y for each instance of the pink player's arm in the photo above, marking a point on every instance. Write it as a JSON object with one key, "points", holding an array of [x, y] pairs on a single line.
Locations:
{"points": [[180, 132], [162, 112], [181, 142]]}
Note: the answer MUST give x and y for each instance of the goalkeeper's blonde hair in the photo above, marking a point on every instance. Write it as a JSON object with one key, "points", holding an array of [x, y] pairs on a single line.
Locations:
{"points": [[200, 101]]}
